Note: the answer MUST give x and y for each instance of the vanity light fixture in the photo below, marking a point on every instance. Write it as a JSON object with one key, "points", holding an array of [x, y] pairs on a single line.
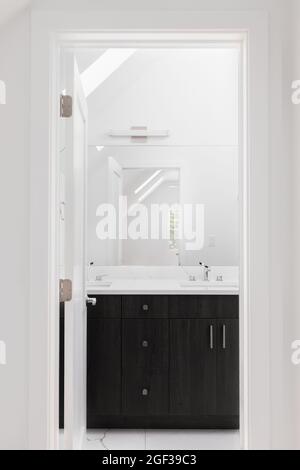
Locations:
{"points": [[151, 190], [140, 188], [139, 132]]}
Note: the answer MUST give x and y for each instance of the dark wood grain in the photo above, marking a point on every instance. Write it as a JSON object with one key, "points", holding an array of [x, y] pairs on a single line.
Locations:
{"points": [[228, 368], [145, 368], [203, 306], [227, 306], [108, 306], [104, 366], [163, 422], [189, 385], [192, 306], [193, 368], [145, 306]]}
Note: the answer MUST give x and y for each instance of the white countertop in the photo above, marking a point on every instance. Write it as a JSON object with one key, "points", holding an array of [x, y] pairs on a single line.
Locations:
{"points": [[159, 287]]}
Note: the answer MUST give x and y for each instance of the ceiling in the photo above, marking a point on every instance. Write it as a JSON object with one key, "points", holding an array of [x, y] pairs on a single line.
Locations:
{"points": [[8, 8], [151, 86]]}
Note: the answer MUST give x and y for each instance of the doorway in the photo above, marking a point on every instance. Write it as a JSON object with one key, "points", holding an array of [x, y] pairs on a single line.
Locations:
{"points": [[135, 140]]}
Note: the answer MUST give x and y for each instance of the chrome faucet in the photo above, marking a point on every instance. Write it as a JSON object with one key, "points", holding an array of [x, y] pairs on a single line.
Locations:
{"points": [[206, 271]]}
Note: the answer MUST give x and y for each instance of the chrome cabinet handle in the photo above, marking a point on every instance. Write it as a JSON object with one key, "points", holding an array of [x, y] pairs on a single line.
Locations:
{"points": [[145, 344], [91, 301], [211, 337], [145, 308], [145, 392], [224, 336]]}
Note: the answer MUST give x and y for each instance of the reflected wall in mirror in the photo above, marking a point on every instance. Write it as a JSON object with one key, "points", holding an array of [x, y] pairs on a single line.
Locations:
{"points": [[164, 175], [151, 186]]}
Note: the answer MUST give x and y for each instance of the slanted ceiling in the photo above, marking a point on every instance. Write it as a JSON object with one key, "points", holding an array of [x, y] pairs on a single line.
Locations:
{"points": [[9, 8]]}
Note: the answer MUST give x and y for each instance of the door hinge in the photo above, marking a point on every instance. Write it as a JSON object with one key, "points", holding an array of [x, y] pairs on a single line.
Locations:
{"points": [[66, 106], [65, 290]]}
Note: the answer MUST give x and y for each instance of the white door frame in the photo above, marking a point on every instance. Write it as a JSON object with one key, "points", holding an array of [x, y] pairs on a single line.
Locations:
{"points": [[251, 29]]}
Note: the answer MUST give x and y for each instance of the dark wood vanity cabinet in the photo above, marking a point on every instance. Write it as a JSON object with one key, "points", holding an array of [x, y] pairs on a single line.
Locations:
{"points": [[163, 362], [104, 368], [228, 367], [204, 368], [193, 362], [104, 350], [145, 365]]}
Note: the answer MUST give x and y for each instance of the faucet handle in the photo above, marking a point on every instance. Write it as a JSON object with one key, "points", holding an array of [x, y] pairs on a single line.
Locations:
{"points": [[205, 266]]}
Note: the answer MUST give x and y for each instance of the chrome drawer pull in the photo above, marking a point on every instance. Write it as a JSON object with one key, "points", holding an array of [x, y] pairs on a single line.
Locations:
{"points": [[211, 337], [145, 344], [145, 392], [224, 336], [145, 308]]}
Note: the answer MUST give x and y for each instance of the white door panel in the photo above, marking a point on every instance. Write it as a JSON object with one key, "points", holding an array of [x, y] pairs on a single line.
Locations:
{"points": [[75, 253]]}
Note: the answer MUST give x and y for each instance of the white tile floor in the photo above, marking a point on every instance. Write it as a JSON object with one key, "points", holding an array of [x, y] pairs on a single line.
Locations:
{"points": [[162, 440]]}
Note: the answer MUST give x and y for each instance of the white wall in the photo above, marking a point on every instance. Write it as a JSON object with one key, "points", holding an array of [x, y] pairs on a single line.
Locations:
{"points": [[14, 53], [294, 332], [192, 93], [9, 8], [280, 226], [209, 176], [14, 233]]}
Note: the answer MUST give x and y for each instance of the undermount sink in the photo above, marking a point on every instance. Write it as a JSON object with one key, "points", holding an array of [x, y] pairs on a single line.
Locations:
{"points": [[209, 284]]}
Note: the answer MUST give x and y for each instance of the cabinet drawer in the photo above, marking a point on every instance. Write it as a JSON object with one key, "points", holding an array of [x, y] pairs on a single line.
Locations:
{"points": [[203, 306], [145, 306], [192, 306], [145, 363], [227, 306], [108, 306]]}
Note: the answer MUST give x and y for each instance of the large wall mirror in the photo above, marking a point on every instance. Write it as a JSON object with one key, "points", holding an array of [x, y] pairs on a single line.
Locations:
{"points": [[142, 180]]}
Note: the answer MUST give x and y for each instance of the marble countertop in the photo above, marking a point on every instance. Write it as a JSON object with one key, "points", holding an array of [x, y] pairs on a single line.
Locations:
{"points": [[160, 287]]}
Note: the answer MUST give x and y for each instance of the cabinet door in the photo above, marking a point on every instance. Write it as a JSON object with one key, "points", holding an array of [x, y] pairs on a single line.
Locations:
{"points": [[193, 353], [228, 368], [145, 367], [104, 367]]}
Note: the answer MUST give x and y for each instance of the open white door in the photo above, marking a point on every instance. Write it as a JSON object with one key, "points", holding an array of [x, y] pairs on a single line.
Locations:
{"points": [[75, 254]]}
